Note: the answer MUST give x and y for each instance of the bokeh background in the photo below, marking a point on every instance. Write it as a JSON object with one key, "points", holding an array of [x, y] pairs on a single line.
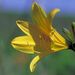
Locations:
{"points": [[13, 62]]}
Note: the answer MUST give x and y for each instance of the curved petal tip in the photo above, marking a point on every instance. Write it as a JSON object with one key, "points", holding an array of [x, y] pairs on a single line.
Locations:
{"points": [[34, 6], [33, 63]]}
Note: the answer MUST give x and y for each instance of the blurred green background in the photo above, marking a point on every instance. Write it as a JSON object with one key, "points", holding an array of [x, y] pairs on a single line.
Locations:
{"points": [[13, 62]]}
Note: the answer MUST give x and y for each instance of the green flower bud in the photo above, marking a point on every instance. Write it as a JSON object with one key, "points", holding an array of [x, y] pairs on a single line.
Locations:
{"points": [[70, 37]]}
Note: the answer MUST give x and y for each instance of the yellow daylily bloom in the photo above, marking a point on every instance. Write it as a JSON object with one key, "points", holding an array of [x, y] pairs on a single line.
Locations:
{"points": [[40, 38]]}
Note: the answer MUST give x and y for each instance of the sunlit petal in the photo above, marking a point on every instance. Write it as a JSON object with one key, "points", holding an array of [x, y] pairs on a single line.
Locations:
{"points": [[52, 14], [34, 62], [58, 42], [24, 44], [24, 26], [57, 47]]}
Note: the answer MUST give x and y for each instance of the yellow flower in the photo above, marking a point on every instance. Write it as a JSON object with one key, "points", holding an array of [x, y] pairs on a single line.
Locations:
{"points": [[40, 38]]}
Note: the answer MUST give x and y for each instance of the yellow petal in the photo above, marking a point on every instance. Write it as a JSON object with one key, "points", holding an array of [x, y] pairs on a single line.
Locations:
{"points": [[57, 47], [52, 14], [24, 26], [24, 44], [34, 62], [40, 18], [37, 59], [58, 42], [55, 36]]}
